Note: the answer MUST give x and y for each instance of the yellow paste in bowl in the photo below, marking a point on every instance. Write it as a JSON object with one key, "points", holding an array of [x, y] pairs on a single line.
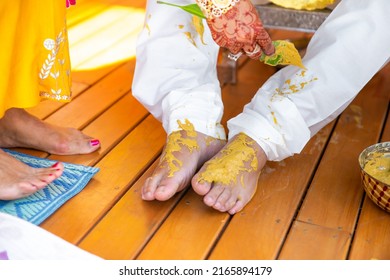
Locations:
{"points": [[378, 166], [303, 4]]}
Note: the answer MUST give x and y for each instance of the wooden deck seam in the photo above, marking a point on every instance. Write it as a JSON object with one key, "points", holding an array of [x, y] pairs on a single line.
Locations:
{"points": [[354, 231], [386, 121], [218, 238], [310, 181], [128, 188], [324, 227], [181, 195]]}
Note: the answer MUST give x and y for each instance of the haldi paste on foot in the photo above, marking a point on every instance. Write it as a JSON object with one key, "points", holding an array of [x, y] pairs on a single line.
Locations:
{"points": [[239, 156], [175, 143]]}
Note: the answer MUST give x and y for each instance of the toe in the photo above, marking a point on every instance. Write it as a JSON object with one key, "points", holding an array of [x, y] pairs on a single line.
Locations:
{"points": [[168, 188], [85, 146], [149, 188], [212, 196], [237, 207], [93, 145], [200, 187], [222, 201]]}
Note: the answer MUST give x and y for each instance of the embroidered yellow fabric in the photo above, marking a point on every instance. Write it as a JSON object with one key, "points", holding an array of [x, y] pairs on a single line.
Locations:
{"points": [[215, 8], [303, 4], [34, 57]]}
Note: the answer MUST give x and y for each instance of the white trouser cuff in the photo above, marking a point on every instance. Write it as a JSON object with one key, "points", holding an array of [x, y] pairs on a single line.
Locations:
{"points": [[203, 108], [264, 125]]}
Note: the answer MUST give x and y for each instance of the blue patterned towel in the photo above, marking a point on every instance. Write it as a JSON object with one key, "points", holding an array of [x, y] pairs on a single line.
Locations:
{"points": [[40, 205]]}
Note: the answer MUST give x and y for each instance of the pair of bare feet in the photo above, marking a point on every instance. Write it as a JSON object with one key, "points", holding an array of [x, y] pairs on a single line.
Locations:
{"points": [[228, 174], [20, 129]]}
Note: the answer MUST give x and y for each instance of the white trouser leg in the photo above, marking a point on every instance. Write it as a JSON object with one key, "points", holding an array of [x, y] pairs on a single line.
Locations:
{"points": [[175, 76], [343, 55]]}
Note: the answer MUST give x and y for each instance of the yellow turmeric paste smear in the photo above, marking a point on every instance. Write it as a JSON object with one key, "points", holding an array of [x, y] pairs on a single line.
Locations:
{"points": [[190, 38], [303, 4], [232, 161], [285, 54], [175, 143], [378, 166], [293, 86], [199, 27]]}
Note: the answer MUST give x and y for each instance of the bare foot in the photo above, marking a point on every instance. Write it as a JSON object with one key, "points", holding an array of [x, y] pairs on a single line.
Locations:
{"points": [[18, 180], [185, 151], [229, 180], [20, 129]]}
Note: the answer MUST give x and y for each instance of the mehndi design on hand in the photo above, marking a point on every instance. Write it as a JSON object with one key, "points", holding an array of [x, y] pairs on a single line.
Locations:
{"points": [[237, 26]]}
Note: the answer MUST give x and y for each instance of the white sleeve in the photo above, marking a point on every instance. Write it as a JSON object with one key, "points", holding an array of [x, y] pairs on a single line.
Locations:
{"points": [[175, 76], [347, 50]]}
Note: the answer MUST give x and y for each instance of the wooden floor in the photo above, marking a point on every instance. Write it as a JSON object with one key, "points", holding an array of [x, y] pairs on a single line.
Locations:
{"points": [[310, 206]]}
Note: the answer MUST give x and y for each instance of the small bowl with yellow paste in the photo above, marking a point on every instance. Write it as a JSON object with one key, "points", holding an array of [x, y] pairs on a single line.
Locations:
{"points": [[375, 172]]}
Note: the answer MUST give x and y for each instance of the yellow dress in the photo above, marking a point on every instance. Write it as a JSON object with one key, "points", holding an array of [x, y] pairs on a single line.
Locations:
{"points": [[34, 57]]}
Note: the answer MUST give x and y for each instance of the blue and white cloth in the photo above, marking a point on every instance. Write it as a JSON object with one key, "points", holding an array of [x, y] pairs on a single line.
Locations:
{"points": [[40, 205]]}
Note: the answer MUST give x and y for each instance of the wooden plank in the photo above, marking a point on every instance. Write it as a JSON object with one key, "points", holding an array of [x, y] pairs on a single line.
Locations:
{"points": [[110, 128], [134, 220], [94, 101], [190, 220], [119, 169], [91, 76], [104, 44], [371, 240], [334, 197], [86, 9], [318, 243], [76, 15], [122, 50], [94, 36]]}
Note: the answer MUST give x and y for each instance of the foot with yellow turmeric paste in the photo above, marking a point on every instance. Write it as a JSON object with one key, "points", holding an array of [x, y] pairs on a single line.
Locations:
{"points": [[185, 151], [20, 129], [229, 180], [18, 180]]}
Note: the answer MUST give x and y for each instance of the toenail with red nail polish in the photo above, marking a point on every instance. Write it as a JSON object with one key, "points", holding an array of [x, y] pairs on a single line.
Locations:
{"points": [[94, 142], [55, 164]]}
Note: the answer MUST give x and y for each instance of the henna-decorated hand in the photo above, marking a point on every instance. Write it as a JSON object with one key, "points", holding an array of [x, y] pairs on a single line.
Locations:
{"points": [[241, 30]]}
